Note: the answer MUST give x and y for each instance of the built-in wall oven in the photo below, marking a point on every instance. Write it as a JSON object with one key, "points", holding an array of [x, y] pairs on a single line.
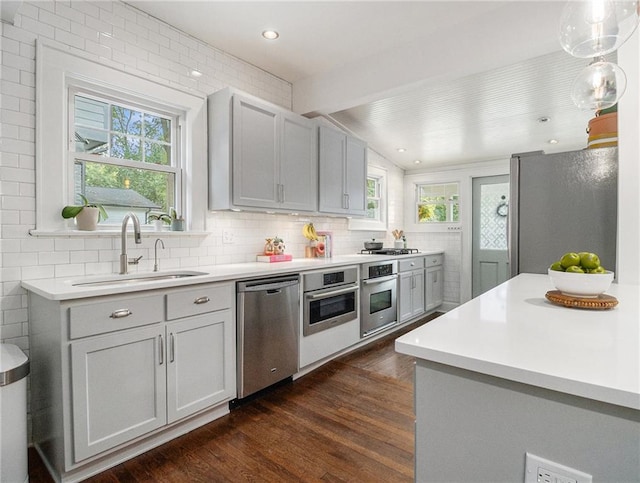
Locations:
{"points": [[378, 296], [330, 299]]}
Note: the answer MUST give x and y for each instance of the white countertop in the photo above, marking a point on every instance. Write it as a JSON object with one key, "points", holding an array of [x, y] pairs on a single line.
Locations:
{"points": [[514, 333], [66, 289]]}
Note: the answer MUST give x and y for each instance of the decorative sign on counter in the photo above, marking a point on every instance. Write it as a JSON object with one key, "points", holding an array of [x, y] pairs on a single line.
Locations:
{"points": [[283, 257]]}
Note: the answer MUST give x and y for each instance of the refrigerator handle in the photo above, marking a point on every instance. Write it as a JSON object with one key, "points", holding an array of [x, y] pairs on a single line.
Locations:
{"points": [[512, 216]]}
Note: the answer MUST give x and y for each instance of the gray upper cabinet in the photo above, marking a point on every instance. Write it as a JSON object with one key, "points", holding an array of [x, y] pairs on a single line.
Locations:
{"points": [[343, 173], [261, 156]]}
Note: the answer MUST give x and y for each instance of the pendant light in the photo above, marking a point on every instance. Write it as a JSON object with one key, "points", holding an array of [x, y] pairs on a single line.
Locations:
{"points": [[597, 27], [599, 86], [592, 29]]}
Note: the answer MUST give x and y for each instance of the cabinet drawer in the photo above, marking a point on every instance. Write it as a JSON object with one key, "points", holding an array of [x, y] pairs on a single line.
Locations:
{"points": [[198, 300], [116, 314], [433, 260], [409, 264]]}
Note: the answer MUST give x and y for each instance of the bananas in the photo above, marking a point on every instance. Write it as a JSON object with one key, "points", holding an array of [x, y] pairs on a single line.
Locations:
{"points": [[309, 232]]}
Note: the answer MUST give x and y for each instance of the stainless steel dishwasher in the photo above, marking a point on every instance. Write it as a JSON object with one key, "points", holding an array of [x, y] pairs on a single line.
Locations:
{"points": [[268, 320]]}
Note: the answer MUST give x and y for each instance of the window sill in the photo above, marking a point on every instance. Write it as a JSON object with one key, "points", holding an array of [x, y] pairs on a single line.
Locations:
{"points": [[112, 233]]}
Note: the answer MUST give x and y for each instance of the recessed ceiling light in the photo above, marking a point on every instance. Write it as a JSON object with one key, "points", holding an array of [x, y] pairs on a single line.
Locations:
{"points": [[544, 119], [553, 141], [270, 34], [401, 150], [417, 161], [195, 73]]}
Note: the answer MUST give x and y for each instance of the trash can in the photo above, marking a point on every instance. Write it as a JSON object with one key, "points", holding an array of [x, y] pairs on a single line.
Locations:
{"points": [[14, 368]]}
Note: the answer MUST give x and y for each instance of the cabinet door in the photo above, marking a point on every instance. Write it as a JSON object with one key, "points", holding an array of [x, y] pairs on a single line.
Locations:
{"points": [[200, 363], [298, 164], [405, 284], [417, 301], [119, 388], [332, 171], [255, 154], [434, 287], [356, 176]]}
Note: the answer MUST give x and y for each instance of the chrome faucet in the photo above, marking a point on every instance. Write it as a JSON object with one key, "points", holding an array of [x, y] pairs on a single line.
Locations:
{"points": [[155, 253], [124, 261]]}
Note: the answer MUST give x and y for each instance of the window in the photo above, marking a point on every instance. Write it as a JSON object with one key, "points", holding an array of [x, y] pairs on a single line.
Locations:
{"points": [[374, 198], [438, 203], [375, 218], [125, 156], [179, 152]]}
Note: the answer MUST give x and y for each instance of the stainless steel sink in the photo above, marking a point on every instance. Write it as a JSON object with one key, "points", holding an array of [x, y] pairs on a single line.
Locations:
{"points": [[134, 279]]}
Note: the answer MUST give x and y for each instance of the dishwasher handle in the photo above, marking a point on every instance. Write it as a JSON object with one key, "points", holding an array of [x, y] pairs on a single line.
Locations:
{"points": [[267, 284]]}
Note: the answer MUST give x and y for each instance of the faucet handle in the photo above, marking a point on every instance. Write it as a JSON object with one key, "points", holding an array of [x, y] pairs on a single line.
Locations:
{"points": [[134, 261]]}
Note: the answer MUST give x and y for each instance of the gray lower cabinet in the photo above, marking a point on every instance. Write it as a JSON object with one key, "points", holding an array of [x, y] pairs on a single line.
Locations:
{"points": [[411, 291], [434, 281], [343, 173], [261, 156], [122, 369]]}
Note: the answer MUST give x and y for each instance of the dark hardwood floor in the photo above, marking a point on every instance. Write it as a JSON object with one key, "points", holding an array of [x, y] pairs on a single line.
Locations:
{"points": [[350, 420]]}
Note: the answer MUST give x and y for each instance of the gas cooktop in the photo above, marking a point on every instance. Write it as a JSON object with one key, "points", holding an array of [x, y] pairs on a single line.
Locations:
{"points": [[390, 251]]}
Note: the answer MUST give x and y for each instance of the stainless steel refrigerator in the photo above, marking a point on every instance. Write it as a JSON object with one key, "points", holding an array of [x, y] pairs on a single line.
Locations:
{"points": [[560, 203]]}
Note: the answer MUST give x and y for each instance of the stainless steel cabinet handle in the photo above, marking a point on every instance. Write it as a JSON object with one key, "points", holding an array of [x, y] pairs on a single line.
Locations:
{"points": [[120, 313], [202, 300], [161, 350], [374, 281], [173, 348], [333, 293]]}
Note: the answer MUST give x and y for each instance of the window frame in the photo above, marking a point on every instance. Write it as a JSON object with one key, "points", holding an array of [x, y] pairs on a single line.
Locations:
{"points": [[133, 103], [448, 202], [56, 70]]}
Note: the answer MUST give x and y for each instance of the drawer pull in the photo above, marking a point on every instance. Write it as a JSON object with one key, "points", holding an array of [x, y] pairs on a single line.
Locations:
{"points": [[121, 313], [201, 300]]}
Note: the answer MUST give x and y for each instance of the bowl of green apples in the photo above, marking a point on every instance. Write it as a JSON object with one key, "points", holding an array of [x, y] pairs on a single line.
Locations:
{"points": [[580, 274]]}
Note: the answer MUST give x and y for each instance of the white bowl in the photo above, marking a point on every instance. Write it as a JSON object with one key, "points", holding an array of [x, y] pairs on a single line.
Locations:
{"points": [[588, 285]]}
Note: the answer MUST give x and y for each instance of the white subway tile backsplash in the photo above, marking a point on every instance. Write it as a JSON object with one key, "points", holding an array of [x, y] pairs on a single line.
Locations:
{"points": [[74, 15], [53, 258], [37, 272], [69, 270], [54, 20], [33, 244], [10, 330]]}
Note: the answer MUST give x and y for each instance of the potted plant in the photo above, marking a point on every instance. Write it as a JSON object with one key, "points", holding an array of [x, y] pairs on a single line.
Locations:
{"points": [[87, 215], [177, 221], [159, 220]]}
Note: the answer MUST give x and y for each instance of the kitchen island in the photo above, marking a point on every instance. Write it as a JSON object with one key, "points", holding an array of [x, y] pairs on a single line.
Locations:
{"points": [[509, 373]]}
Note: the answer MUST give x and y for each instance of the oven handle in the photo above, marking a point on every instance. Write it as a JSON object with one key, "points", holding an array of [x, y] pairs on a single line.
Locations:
{"points": [[323, 295], [373, 281]]}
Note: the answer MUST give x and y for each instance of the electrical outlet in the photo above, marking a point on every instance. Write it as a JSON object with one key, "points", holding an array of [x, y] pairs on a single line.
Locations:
{"points": [[540, 470], [227, 237]]}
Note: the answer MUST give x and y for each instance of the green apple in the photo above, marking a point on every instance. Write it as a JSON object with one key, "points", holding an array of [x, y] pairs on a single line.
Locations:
{"points": [[590, 261], [570, 259], [557, 266], [574, 269]]}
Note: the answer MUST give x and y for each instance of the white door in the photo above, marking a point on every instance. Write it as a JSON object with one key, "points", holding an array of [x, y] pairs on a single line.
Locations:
{"points": [[490, 256]]}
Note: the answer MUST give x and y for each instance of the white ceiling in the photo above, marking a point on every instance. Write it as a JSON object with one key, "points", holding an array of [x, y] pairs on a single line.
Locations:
{"points": [[450, 81]]}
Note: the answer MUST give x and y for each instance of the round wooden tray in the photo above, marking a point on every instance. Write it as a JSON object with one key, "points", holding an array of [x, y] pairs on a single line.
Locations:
{"points": [[601, 302]]}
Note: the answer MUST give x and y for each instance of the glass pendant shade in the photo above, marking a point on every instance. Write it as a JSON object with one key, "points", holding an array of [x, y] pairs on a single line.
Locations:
{"points": [[597, 27], [599, 86]]}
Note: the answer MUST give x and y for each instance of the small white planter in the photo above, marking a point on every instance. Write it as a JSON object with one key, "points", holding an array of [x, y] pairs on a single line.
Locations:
{"points": [[158, 225], [87, 219]]}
